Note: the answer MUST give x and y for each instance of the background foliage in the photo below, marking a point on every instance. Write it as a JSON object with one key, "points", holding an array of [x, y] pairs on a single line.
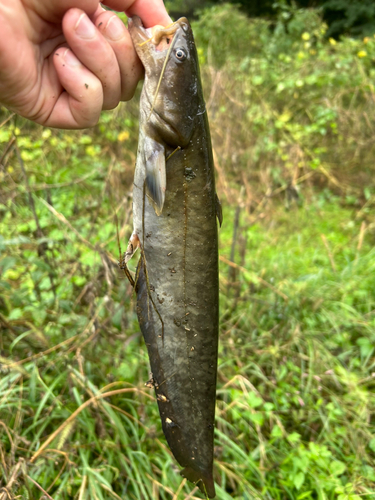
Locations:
{"points": [[291, 113], [343, 17]]}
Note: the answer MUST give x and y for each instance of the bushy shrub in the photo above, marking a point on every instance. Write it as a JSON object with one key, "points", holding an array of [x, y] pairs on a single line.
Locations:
{"points": [[287, 102]]}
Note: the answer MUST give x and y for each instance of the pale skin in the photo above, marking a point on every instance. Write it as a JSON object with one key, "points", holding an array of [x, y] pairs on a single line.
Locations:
{"points": [[63, 61]]}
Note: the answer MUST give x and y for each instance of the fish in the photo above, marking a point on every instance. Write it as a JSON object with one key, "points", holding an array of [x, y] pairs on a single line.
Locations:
{"points": [[175, 212]]}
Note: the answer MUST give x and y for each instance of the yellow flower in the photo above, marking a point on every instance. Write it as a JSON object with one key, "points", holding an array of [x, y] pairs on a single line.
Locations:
{"points": [[366, 39], [46, 134], [332, 41], [362, 53], [123, 136], [306, 36]]}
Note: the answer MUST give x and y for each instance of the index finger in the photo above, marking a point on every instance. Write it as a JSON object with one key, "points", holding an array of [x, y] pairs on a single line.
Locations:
{"points": [[151, 12]]}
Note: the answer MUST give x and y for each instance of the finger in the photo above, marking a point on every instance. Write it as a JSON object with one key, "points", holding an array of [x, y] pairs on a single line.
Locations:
{"points": [[94, 51], [151, 12], [81, 103], [131, 68], [55, 10]]}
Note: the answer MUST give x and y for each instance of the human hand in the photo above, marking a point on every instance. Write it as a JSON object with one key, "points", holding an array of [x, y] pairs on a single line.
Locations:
{"points": [[63, 61]]}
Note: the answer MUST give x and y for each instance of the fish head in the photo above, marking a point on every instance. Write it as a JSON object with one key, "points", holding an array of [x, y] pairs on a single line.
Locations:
{"points": [[172, 85]]}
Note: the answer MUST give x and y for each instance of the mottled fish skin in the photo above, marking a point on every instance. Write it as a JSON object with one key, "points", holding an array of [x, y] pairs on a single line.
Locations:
{"points": [[178, 307]]}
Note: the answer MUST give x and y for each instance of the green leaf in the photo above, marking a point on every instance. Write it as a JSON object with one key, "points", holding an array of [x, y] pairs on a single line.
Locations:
{"points": [[366, 346], [257, 418], [372, 444], [276, 432], [15, 313], [294, 437], [254, 400], [337, 467], [305, 495], [298, 480]]}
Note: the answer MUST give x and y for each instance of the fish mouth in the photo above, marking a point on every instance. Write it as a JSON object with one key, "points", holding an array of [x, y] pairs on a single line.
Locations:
{"points": [[145, 38], [135, 27], [135, 23]]}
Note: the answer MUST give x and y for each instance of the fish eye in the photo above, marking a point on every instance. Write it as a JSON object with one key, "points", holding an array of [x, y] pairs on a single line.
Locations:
{"points": [[180, 54]]}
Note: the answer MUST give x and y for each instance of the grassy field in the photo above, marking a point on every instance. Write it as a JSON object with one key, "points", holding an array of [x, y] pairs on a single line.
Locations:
{"points": [[295, 399], [295, 384]]}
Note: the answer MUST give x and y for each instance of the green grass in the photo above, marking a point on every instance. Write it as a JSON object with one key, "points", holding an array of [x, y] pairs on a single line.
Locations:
{"points": [[295, 384], [300, 371]]}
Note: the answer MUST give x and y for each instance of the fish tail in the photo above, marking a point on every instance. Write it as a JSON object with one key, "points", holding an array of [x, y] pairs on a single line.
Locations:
{"points": [[205, 482]]}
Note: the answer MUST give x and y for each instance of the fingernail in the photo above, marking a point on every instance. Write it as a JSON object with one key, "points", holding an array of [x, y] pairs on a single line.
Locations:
{"points": [[71, 59], [115, 28], [84, 27]]}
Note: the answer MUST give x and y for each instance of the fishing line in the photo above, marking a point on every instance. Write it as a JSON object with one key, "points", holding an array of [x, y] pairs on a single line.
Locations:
{"points": [[175, 151], [121, 263], [161, 75]]}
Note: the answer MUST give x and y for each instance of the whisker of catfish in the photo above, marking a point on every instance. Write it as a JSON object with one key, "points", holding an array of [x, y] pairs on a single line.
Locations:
{"points": [[161, 76]]}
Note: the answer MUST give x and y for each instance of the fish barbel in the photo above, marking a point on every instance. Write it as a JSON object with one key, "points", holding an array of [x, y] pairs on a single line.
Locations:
{"points": [[174, 211]]}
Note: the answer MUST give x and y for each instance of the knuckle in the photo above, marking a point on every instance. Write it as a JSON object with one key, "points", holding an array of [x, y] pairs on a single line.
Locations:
{"points": [[88, 119], [39, 114], [110, 105], [128, 90], [88, 110], [128, 94]]}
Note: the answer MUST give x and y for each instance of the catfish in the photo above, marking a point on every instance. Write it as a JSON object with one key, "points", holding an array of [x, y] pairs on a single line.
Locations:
{"points": [[175, 211]]}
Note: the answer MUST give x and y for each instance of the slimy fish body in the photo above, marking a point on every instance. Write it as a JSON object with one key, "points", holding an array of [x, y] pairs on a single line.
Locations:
{"points": [[175, 209]]}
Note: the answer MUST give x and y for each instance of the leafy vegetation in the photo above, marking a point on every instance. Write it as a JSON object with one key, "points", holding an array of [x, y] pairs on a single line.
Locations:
{"points": [[288, 105], [292, 124], [343, 17], [347, 16]]}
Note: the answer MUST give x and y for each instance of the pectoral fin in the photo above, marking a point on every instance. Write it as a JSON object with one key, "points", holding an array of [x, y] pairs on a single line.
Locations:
{"points": [[156, 179]]}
